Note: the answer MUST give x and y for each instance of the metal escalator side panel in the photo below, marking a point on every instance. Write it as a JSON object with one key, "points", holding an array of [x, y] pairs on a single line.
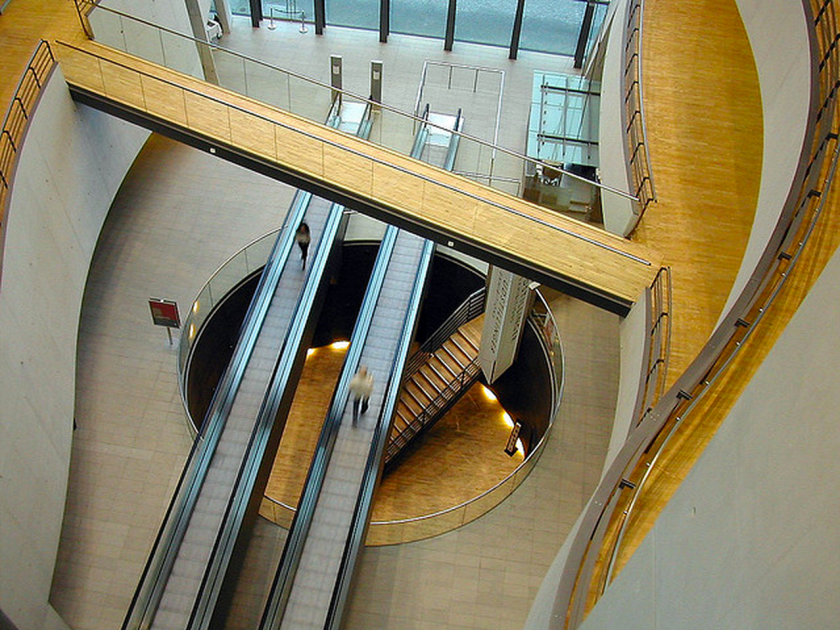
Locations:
{"points": [[291, 356], [156, 573], [281, 588], [373, 467]]}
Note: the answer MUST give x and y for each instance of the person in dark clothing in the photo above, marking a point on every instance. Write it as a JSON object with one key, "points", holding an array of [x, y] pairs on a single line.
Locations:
{"points": [[303, 238]]}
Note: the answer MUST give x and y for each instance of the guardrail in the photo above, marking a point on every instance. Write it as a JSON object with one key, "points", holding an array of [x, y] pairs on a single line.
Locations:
{"points": [[637, 155], [658, 349], [598, 545], [16, 122]]}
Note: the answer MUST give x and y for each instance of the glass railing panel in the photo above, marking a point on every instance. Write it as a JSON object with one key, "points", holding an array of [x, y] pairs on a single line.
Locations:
{"points": [[230, 70], [393, 131], [107, 28], [179, 53]]}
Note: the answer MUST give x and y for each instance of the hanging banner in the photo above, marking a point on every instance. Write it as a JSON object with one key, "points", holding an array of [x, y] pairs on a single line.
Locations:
{"points": [[508, 302]]}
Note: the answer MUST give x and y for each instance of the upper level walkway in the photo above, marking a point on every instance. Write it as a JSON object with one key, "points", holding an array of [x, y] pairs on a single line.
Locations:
{"points": [[489, 224]]}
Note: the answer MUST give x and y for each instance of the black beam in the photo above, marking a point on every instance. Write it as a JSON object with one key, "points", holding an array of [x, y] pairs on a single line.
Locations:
{"points": [[449, 38], [256, 12], [369, 207], [320, 16], [517, 29], [384, 20], [583, 36]]}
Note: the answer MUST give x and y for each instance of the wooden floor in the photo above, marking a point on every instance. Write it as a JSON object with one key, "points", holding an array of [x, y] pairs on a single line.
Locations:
{"points": [[462, 457], [701, 222]]}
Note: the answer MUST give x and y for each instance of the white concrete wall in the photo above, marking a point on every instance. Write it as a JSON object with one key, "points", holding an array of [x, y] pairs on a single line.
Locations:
{"points": [[750, 540], [779, 40], [634, 339], [70, 167], [618, 211]]}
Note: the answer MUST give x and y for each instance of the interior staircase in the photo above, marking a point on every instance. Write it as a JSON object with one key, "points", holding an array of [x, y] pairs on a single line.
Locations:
{"points": [[434, 383]]}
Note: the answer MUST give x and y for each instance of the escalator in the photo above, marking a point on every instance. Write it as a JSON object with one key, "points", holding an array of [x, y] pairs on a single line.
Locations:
{"points": [[186, 569], [327, 534]]}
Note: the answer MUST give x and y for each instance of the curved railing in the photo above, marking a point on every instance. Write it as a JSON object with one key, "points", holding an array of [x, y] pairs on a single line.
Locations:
{"points": [[599, 540], [228, 275], [428, 525], [479, 159], [633, 115], [658, 348], [16, 122]]}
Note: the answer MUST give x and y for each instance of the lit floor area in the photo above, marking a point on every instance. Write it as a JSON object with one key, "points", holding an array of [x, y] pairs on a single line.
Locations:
{"points": [[461, 457], [178, 216]]}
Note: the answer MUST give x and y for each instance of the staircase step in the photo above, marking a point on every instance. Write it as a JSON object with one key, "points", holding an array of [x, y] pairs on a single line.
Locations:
{"points": [[466, 342], [451, 360], [427, 377]]}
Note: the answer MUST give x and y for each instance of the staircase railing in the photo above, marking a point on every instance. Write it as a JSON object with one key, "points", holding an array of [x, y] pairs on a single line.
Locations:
{"points": [[442, 403], [469, 309]]}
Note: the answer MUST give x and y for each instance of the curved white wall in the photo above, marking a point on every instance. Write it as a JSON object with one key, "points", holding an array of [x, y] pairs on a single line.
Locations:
{"points": [[750, 539], [779, 39], [70, 167]]}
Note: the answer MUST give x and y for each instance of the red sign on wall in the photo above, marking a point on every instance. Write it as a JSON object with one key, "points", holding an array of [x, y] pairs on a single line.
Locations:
{"points": [[165, 313]]}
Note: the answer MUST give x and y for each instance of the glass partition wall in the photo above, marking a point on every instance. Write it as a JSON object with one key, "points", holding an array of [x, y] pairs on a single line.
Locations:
{"points": [[551, 26]]}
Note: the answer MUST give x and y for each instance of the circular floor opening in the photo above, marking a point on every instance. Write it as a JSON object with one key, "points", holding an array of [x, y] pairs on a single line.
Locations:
{"points": [[460, 459]]}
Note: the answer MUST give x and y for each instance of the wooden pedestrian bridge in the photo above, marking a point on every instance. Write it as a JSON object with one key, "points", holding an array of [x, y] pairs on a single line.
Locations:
{"points": [[502, 229]]}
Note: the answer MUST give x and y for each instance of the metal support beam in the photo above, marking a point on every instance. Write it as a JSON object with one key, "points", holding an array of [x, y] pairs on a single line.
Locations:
{"points": [[583, 36], [449, 39], [320, 16], [256, 12], [517, 29], [384, 20]]}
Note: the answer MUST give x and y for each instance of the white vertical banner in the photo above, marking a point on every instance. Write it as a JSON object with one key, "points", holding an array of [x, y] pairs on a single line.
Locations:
{"points": [[508, 300]]}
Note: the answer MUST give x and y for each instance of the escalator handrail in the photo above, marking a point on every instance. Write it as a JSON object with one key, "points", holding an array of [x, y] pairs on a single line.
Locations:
{"points": [[223, 547], [155, 574], [293, 549], [373, 466]]}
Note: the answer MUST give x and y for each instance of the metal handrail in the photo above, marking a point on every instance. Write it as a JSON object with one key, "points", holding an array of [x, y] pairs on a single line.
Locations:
{"points": [[352, 95], [637, 156], [441, 403], [16, 122], [373, 468], [802, 210], [469, 309], [658, 351]]}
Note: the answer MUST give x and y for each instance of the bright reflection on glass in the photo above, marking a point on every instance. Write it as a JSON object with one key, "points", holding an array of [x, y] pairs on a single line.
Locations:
{"points": [[192, 331], [340, 345], [488, 394], [310, 352], [195, 307], [508, 419], [520, 447]]}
